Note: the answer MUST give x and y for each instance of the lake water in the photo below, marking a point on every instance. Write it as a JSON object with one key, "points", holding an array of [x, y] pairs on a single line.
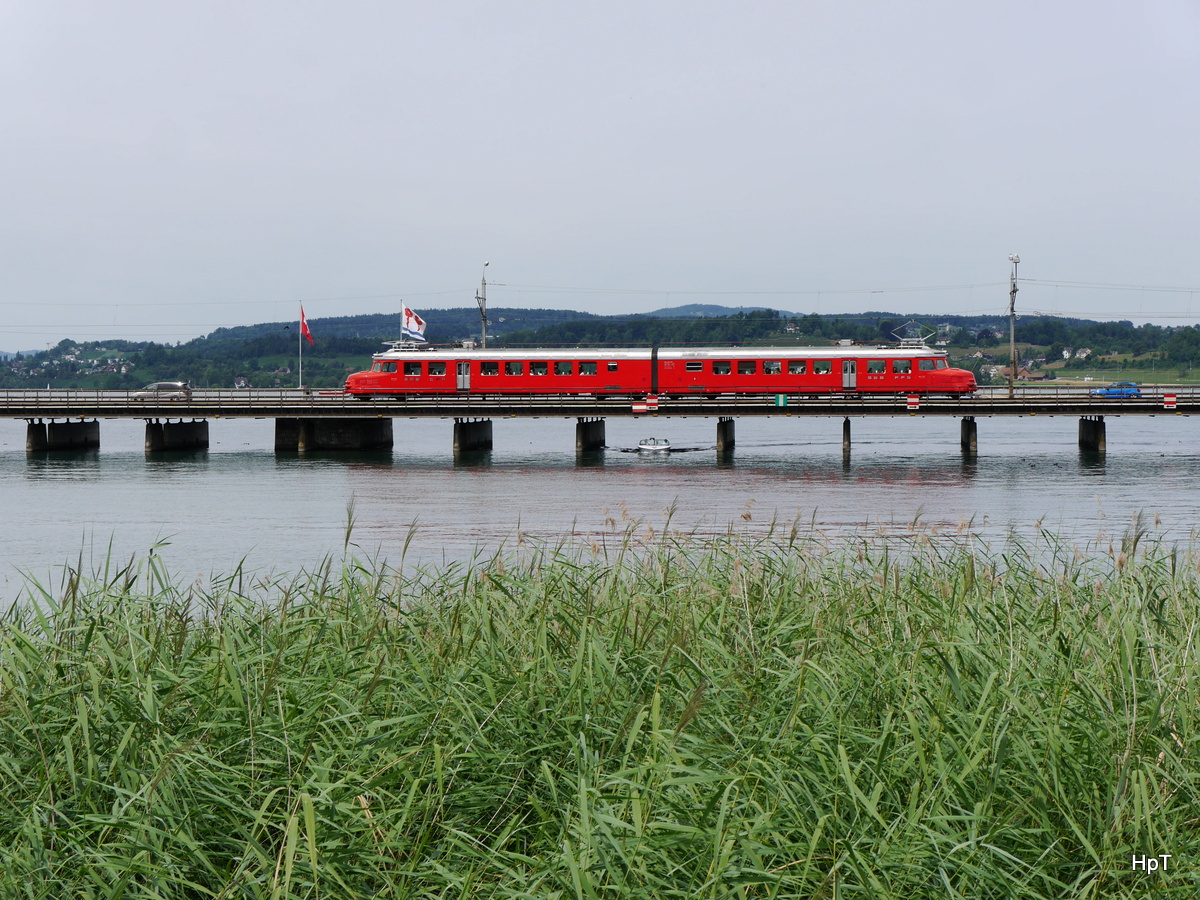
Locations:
{"points": [[205, 512]]}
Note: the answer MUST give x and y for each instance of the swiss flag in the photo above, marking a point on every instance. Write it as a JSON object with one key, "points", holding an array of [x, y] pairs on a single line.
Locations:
{"points": [[304, 326]]}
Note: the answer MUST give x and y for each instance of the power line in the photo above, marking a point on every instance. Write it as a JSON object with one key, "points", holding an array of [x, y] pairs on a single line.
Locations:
{"points": [[743, 293], [84, 304], [173, 329], [663, 292], [107, 329], [1090, 314], [1099, 285]]}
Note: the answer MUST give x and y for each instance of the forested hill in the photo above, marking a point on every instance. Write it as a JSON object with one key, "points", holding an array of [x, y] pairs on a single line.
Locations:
{"points": [[754, 325], [265, 355], [442, 326]]}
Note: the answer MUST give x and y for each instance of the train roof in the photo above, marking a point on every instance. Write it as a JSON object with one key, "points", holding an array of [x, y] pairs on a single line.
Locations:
{"points": [[858, 352], [669, 353]]}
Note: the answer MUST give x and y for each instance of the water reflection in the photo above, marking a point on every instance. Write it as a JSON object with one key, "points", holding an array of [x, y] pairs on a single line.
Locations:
{"points": [[590, 459], [168, 458], [969, 465], [62, 463], [336, 459], [287, 509], [472, 459]]}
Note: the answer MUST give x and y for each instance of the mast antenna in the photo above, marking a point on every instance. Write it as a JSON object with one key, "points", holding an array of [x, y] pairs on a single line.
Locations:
{"points": [[1012, 324], [481, 299]]}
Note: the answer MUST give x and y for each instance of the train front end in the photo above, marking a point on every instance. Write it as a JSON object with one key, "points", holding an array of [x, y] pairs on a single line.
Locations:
{"points": [[956, 381], [363, 384]]}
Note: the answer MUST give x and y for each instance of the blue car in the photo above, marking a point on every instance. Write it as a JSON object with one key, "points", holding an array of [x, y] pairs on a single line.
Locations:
{"points": [[1118, 389]]}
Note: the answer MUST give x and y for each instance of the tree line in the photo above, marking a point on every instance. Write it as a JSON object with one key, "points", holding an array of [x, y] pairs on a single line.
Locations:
{"points": [[266, 355]]}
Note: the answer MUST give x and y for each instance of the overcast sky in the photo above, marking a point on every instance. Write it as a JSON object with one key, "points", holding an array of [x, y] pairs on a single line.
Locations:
{"points": [[170, 168]]}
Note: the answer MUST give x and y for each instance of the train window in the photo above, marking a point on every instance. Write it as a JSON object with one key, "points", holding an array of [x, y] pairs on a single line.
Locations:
{"points": [[926, 365], [612, 367], [587, 368], [539, 368], [489, 368], [388, 367], [747, 367], [693, 365], [377, 367], [722, 367], [437, 369], [797, 366], [514, 368], [876, 366], [822, 366], [772, 367], [942, 364], [562, 368], [412, 368], [902, 366]]}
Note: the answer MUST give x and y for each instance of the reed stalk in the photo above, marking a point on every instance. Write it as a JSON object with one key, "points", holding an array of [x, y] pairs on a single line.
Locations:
{"points": [[651, 718]]}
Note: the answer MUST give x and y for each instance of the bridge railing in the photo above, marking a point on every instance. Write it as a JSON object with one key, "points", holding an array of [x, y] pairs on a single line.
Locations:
{"points": [[136, 397], [61, 401]]}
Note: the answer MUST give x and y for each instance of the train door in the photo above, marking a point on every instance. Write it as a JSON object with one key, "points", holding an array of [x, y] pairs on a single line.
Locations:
{"points": [[464, 376], [849, 374]]}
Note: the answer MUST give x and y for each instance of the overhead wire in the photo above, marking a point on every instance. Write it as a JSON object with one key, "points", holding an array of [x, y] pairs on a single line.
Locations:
{"points": [[149, 330], [741, 293], [1099, 285], [242, 302]]}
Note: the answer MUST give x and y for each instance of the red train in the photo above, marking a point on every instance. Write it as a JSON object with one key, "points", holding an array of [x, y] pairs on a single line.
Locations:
{"points": [[910, 368]]}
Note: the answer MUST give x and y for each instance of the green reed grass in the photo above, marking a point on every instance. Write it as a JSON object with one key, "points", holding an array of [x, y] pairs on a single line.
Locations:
{"points": [[673, 718]]}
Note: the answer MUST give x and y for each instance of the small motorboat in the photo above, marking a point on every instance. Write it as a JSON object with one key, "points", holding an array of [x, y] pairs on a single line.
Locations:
{"points": [[654, 445]]}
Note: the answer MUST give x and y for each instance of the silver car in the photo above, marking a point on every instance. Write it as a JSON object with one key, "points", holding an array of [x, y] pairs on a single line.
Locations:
{"points": [[164, 390]]}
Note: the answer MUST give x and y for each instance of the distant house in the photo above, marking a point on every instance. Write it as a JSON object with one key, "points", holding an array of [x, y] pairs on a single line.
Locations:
{"points": [[1083, 353], [1023, 373]]}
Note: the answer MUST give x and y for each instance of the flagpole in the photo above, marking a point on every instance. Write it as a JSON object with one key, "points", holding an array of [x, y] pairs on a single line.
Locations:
{"points": [[300, 348]]}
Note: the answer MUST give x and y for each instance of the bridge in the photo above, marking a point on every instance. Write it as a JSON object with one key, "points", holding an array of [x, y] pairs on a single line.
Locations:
{"points": [[331, 420]]}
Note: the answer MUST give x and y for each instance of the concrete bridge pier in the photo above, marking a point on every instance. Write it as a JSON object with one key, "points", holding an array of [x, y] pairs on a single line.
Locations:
{"points": [[301, 435], [52, 435], [474, 434], [725, 438], [589, 435], [179, 435], [1091, 434], [969, 435]]}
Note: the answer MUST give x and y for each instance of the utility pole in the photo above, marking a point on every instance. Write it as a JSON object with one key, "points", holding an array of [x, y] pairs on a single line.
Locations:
{"points": [[1012, 324], [481, 299]]}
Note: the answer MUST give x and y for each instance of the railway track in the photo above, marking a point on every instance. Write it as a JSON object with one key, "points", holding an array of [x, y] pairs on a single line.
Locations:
{"points": [[204, 404]]}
